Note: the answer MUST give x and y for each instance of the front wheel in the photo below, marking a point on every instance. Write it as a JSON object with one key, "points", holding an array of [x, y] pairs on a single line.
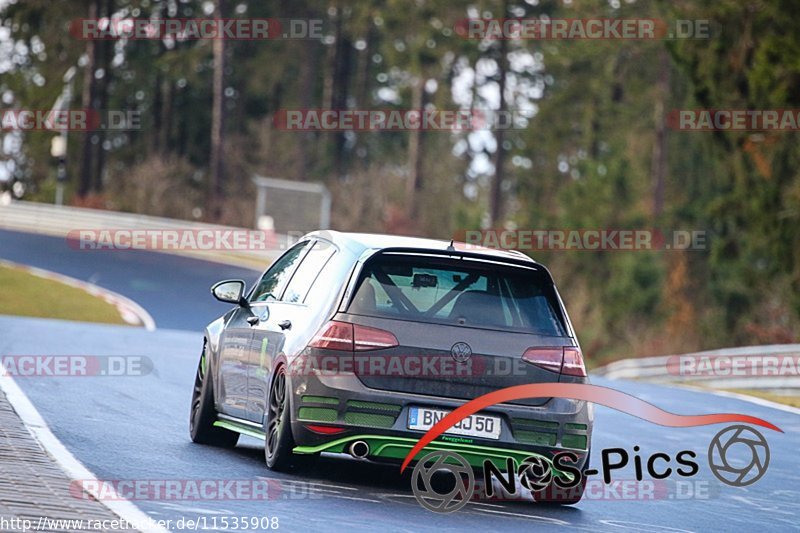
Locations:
{"points": [[203, 414], [279, 442]]}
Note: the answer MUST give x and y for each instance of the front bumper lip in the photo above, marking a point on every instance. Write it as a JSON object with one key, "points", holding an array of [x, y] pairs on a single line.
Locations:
{"points": [[385, 447]]}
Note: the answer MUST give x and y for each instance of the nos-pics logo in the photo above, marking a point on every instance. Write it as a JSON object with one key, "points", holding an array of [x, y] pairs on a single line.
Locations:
{"points": [[738, 456]]}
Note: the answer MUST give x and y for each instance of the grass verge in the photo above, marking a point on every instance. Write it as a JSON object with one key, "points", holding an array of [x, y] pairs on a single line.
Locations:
{"points": [[793, 401], [24, 294]]}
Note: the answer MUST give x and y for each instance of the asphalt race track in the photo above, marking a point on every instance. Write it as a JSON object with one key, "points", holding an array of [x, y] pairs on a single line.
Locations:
{"points": [[136, 427], [172, 288]]}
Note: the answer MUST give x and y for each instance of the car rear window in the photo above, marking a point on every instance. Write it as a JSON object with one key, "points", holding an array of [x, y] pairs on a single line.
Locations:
{"points": [[459, 292]]}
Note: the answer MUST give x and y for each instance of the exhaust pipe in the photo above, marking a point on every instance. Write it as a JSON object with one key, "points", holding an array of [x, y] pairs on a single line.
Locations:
{"points": [[359, 449]]}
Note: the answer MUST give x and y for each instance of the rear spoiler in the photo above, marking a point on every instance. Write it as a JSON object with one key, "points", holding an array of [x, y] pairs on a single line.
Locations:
{"points": [[498, 256], [511, 257]]}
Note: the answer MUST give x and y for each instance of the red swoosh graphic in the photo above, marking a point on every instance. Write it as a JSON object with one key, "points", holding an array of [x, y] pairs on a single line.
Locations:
{"points": [[612, 398]]}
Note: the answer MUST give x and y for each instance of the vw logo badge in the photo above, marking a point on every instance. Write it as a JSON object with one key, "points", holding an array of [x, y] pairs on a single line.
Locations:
{"points": [[461, 352]]}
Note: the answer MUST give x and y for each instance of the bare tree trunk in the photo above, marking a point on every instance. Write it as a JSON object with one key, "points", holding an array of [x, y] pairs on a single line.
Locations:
{"points": [[496, 199], [87, 104], [164, 90], [217, 167], [106, 49], [659, 162], [415, 152], [158, 114], [329, 68], [309, 70], [181, 127], [167, 122], [340, 89], [363, 62]]}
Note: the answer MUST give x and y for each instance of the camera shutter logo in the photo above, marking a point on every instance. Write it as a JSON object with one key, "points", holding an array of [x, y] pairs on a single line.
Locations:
{"points": [[725, 457], [461, 352], [535, 474], [425, 492]]}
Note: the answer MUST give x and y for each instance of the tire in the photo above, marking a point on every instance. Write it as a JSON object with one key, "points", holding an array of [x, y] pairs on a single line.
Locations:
{"points": [[554, 494], [203, 413], [279, 442]]}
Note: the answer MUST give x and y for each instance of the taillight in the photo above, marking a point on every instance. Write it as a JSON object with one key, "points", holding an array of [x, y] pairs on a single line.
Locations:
{"points": [[566, 360], [573, 363], [334, 336], [349, 337], [367, 338], [548, 358]]}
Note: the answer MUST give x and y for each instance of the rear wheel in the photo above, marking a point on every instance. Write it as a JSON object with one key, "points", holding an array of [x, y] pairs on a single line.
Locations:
{"points": [[203, 414], [279, 442], [554, 494]]}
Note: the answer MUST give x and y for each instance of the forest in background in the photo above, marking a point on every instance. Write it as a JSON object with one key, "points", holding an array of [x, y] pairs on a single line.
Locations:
{"points": [[596, 152]]}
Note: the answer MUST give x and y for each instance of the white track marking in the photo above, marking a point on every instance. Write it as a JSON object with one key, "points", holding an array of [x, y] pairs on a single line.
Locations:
{"points": [[333, 486], [311, 484], [69, 463], [546, 520], [356, 498], [747, 398]]}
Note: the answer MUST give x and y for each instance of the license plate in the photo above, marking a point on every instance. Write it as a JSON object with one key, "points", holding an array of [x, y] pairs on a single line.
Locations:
{"points": [[485, 427]]}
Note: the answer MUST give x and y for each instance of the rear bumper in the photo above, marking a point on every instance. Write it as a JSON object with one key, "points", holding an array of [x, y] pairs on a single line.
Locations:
{"points": [[395, 449], [380, 419]]}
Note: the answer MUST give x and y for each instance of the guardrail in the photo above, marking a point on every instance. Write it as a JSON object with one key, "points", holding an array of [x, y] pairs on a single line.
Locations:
{"points": [[775, 366], [60, 220]]}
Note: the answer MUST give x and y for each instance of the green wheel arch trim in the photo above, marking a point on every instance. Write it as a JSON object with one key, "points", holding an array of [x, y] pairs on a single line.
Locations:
{"points": [[387, 447]]}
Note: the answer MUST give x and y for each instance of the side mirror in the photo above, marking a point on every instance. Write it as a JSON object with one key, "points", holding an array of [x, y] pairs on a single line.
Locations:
{"points": [[230, 291]]}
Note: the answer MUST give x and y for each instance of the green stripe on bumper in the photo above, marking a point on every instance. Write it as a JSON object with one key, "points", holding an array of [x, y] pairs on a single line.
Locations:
{"points": [[320, 399], [317, 414], [536, 437], [358, 404], [386, 447], [573, 441], [368, 419]]}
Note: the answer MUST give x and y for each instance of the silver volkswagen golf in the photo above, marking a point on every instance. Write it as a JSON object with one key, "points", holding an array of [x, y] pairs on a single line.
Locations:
{"points": [[358, 344]]}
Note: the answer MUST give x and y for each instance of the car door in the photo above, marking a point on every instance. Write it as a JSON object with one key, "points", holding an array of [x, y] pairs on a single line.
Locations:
{"points": [[234, 353], [262, 299], [286, 328]]}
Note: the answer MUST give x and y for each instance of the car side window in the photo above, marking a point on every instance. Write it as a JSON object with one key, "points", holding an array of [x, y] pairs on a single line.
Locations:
{"points": [[274, 280], [305, 275]]}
